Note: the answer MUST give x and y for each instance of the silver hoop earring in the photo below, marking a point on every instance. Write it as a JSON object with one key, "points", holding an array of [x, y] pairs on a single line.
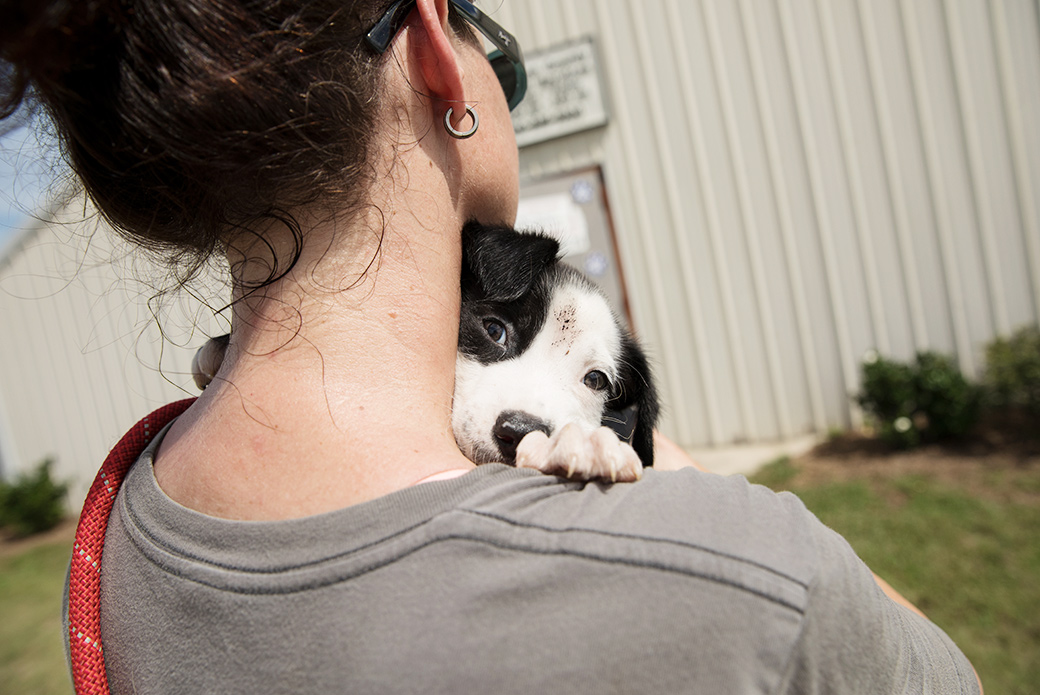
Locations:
{"points": [[461, 134]]}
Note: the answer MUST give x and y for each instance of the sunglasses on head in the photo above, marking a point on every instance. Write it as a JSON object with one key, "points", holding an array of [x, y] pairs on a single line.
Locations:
{"points": [[507, 60]]}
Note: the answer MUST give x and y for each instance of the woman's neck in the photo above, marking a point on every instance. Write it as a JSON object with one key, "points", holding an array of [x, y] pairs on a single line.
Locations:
{"points": [[347, 392]]}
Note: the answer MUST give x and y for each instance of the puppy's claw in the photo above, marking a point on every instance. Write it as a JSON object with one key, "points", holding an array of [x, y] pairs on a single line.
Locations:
{"points": [[580, 455]]}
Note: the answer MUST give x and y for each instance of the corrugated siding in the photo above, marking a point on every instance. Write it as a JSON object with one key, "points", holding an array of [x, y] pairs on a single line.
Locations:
{"points": [[81, 355], [793, 182]]}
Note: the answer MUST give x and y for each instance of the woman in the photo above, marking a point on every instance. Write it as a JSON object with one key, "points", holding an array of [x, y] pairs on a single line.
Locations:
{"points": [[308, 524]]}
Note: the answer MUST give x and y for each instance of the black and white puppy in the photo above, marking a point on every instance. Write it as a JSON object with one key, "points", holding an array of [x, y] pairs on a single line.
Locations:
{"points": [[546, 376], [541, 351]]}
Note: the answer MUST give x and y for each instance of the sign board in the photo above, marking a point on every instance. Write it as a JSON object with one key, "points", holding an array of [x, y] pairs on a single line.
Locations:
{"points": [[564, 94]]}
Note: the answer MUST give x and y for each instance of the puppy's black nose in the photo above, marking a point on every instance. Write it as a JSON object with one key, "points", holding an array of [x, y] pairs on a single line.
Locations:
{"points": [[511, 427]]}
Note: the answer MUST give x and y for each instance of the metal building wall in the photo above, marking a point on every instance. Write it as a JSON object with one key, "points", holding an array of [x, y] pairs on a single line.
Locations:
{"points": [[81, 355], [795, 182]]}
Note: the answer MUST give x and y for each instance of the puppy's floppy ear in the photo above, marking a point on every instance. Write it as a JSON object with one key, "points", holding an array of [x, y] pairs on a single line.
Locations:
{"points": [[633, 408], [500, 264]]}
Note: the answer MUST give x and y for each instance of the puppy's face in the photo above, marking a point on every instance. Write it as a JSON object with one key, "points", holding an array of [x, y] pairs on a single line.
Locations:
{"points": [[540, 361]]}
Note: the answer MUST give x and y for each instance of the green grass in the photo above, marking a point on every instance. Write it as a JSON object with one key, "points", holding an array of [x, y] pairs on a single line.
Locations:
{"points": [[970, 559], [776, 474], [32, 656]]}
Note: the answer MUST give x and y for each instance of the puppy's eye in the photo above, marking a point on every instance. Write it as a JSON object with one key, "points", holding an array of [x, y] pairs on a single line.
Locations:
{"points": [[596, 380], [496, 331]]}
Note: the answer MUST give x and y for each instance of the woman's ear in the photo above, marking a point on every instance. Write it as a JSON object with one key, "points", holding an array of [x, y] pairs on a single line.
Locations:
{"points": [[438, 61]]}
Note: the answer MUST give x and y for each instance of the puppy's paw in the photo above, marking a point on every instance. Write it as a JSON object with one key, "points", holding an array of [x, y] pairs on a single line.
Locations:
{"points": [[579, 455]]}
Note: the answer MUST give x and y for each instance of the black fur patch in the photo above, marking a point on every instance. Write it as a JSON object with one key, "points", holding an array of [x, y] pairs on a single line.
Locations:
{"points": [[508, 277], [504, 278], [635, 397]]}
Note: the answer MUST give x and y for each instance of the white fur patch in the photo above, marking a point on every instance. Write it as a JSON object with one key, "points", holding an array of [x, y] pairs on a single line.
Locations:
{"points": [[579, 335]]}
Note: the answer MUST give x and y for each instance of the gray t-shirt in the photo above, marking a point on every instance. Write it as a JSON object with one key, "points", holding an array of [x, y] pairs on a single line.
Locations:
{"points": [[508, 581]]}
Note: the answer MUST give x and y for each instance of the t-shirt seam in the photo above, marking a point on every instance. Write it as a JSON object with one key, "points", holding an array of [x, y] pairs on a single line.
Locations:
{"points": [[795, 644], [132, 519], [454, 536], [637, 537]]}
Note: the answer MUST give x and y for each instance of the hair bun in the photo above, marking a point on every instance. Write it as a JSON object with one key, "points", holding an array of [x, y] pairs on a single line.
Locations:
{"points": [[42, 40]]}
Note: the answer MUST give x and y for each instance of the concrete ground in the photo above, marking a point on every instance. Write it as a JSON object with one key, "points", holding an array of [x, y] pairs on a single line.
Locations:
{"points": [[748, 458]]}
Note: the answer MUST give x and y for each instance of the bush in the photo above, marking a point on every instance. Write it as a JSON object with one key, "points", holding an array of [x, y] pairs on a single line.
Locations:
{"points": [[1013, 371], [34, 503], [922, 401]]}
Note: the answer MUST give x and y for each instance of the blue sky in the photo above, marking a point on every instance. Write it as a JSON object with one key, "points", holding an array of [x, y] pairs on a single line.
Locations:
{"points": [[25, 168]]}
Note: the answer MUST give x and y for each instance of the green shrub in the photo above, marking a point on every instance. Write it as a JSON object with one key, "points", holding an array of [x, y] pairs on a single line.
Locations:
{"points": [[1013, 370], [921, 401], [34, 503]]}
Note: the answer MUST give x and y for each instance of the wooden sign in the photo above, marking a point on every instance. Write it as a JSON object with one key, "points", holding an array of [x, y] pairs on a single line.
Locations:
{"points": [[564, 94]]}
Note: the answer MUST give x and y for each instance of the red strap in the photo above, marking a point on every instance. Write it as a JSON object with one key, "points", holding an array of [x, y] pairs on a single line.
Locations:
{"points": [[88, 659]]}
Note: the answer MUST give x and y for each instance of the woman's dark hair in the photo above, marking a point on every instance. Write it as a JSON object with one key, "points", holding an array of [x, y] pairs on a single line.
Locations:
{"points": [[188, 120]]}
